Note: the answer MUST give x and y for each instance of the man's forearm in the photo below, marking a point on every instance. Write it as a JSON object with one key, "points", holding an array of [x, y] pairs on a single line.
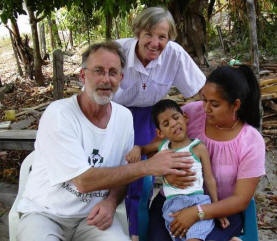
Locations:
{"points": [[163, 163], [117, 194], [108, 178]]}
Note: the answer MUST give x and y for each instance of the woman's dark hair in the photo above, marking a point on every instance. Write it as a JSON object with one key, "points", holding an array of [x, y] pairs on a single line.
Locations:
{"points": [[161, 107], [239, 83]]}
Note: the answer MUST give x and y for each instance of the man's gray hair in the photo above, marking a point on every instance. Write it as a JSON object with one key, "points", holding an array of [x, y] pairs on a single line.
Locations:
{"points": [[150, 17], [111, 46]]}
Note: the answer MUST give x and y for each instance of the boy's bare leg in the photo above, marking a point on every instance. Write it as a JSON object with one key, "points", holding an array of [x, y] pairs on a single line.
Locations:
{"points": [[194, 239], [235, 239], [135, 238]]}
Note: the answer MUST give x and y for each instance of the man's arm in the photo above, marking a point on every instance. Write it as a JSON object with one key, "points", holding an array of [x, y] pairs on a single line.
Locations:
{"points": [[163, 163]]}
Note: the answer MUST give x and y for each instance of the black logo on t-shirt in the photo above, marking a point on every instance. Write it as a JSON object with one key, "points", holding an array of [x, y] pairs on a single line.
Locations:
{"points": [[84, 197], [95, 159]]}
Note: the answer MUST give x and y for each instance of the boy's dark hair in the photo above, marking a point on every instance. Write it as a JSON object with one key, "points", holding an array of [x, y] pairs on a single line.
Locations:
{"points": [[161, 107], [239, 83]]}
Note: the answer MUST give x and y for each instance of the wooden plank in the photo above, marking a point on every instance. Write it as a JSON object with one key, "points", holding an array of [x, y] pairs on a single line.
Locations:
{"points": [[18, 134], [264, 82], [28, 110], [268, 96], [269, 122], [269, 89], [5, 124], [17, 145], [270, 132], [270, 125]]}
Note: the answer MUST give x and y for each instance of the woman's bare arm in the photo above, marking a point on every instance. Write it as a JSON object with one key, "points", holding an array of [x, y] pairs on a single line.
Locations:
{"points": [[244, 191]]}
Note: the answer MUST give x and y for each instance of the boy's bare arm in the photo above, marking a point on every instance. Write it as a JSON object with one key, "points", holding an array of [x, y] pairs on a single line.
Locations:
{"points": [[137, 151], [151, 147], [210, 180], [208, 176]]}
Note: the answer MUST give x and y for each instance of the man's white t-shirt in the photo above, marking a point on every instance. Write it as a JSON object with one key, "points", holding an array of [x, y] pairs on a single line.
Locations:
{"points": [[67, 145]]}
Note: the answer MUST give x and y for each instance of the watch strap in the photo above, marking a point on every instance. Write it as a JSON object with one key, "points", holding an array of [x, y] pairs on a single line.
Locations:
{"points": [[201, 213]]}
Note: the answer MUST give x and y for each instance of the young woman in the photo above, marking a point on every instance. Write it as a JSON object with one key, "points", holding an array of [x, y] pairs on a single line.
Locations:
{"points": [[225, 120]]}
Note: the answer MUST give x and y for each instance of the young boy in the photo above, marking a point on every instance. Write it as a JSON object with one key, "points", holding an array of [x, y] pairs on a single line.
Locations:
{"points": [[171, 127]]}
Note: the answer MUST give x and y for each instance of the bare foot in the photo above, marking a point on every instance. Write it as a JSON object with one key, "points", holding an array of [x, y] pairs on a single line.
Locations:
{"points": [[135, 238], [235, 239]]}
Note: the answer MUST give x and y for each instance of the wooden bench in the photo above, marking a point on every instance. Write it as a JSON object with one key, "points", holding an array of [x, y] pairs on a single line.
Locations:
{"points": [[17, 139]]}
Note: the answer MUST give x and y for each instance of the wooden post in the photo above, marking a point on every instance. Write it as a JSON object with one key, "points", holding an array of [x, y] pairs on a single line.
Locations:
{"points": [[220, 37], [250, 5], [58, 76], [42, 40]]}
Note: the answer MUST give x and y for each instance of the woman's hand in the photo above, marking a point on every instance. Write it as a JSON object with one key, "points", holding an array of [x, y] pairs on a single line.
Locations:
{"points": [[184, 180], [183, 220]]}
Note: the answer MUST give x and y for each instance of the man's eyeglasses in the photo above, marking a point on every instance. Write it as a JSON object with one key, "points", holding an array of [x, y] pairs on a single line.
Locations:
{"points": [[100, 72]]}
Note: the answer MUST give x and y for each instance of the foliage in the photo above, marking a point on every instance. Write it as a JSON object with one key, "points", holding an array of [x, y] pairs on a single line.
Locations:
{"points": [[267, 27], [235, 29], [44, 8], [87, 19], [83, 23], [10, 9]]}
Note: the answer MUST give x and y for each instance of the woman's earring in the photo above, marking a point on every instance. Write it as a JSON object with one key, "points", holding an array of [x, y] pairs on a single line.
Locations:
{"points": [[234, 116]]}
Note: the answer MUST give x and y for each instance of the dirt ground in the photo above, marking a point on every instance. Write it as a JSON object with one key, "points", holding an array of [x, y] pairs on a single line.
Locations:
{"points": [[26, 94]]}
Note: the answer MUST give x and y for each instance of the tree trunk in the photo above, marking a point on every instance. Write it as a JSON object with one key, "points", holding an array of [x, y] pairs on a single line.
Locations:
{"points": [[37, 58], [71, 39], [56, 33], [52, 40], [19, 69], [24, 51], [109, 21], [88, 28], [42, 40], [191, 26], [58, 76], [117, 21]]}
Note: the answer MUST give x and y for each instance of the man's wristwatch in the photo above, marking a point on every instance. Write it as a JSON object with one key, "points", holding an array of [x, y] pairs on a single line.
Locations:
{"points": [[201, 213]]}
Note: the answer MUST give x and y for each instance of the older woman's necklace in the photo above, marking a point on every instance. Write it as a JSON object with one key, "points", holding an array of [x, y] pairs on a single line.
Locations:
{"points": [[227, 128], [144, 82]]}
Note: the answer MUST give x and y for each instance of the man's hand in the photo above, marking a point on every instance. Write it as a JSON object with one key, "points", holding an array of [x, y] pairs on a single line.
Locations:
{"points": [[169, 162], [181, 181], [102, 214]]}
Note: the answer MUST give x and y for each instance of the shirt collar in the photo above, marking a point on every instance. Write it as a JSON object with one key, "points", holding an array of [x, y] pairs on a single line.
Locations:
{"points": [[132, 53]]}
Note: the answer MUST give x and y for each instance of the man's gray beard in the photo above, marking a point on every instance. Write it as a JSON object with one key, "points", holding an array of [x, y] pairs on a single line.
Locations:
{"points": [[102, 100]]}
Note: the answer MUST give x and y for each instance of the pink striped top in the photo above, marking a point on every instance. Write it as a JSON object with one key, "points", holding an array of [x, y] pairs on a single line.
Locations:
{"points": [[241, 157]]}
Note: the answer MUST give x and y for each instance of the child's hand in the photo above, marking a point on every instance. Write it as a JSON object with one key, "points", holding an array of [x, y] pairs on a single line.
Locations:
{"points": [[224, 222], [134, 155]]}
